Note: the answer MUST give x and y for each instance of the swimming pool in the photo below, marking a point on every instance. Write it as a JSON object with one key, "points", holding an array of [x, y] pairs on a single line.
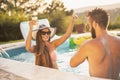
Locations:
{"points": [[63, 57], [64, 54]]}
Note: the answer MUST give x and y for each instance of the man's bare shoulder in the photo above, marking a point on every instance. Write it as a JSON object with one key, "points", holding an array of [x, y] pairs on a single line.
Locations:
{"points": [[92, 48], [115, 38], [92, 42]]}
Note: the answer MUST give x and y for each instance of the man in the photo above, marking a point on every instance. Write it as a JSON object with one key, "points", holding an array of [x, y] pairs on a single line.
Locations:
{"points": [[103, 51]]}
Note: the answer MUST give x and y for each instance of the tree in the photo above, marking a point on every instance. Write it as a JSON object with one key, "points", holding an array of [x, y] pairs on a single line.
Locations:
{"points": [[57, 5], [115, 24], [57, 15], [8, 5], [27, 6], [21, 10]]}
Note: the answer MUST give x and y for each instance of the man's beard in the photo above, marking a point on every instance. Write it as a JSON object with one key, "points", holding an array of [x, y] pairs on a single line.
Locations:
{"points": [[93, 33]]}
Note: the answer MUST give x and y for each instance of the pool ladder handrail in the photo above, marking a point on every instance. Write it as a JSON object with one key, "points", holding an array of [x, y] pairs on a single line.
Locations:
{"points": [[2, 51]]}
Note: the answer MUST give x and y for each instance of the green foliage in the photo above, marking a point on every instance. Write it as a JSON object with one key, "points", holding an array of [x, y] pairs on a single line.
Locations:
{"points": [[9, 26], [13, 41], [27, 6], [114, 18], [58, 17], [55, 5], [8, 5], [57, 20], [78, 21], [115, 24]]}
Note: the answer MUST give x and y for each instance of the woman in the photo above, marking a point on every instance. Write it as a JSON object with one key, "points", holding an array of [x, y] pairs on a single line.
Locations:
{"points": [[44, 50]]}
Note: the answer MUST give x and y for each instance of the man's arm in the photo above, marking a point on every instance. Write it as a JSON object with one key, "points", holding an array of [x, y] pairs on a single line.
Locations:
{"points": [[79, 57]]}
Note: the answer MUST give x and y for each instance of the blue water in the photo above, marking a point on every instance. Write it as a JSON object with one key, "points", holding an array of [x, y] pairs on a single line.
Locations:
{"points": [[64, 54], [63, 57]]}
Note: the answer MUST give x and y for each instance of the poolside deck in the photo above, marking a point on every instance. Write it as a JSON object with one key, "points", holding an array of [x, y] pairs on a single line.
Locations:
{"points": [[15, 70], [10, 45], [9, 76]]}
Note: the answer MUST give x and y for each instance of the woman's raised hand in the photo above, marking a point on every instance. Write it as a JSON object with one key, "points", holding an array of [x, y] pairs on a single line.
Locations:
{"points": [[32, 23], [74, 17]]}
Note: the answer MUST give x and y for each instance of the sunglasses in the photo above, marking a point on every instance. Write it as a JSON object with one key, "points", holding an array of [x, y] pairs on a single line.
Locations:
{"points": [[43, 32]]}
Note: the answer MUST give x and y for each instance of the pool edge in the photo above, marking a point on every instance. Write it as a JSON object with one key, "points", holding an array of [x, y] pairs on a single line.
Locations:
{"points": [[33, 72]]}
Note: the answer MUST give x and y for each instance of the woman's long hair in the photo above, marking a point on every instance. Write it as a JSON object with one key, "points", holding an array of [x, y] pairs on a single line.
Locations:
{"points": [[42, 52]]}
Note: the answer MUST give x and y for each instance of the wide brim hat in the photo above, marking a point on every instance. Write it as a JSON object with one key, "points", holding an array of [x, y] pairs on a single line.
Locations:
{"points": [[42, 24]]}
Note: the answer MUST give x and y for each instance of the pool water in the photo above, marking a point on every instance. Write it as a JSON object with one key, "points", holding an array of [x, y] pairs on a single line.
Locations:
{"points": [[63, 57], [64, 54]]}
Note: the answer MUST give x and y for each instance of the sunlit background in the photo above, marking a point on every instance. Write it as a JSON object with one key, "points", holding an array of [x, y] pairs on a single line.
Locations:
{"points": [[73, 4], [58, 12]]}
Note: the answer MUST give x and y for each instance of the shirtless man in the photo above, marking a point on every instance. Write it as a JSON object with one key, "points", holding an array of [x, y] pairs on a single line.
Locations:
{"points": [[103, 51]]}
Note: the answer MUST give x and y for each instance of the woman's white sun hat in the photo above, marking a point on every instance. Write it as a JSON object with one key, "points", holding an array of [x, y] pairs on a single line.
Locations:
{"points": [[42, 24]]}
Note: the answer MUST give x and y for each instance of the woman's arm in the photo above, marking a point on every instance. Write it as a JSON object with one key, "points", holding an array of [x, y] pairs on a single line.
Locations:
{"points": [[30, 48], [62, 39]]}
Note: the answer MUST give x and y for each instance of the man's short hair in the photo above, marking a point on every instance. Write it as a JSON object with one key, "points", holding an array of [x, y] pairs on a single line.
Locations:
{"points": [[100, 16]]}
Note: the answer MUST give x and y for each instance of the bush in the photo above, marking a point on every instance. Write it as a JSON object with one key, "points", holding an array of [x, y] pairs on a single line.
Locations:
{"points": [[57, 19], [10, 26], [113, 26]]}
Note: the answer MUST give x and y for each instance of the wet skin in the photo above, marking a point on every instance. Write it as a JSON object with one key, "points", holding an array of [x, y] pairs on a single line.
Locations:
{"points": [[102, 53]]}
